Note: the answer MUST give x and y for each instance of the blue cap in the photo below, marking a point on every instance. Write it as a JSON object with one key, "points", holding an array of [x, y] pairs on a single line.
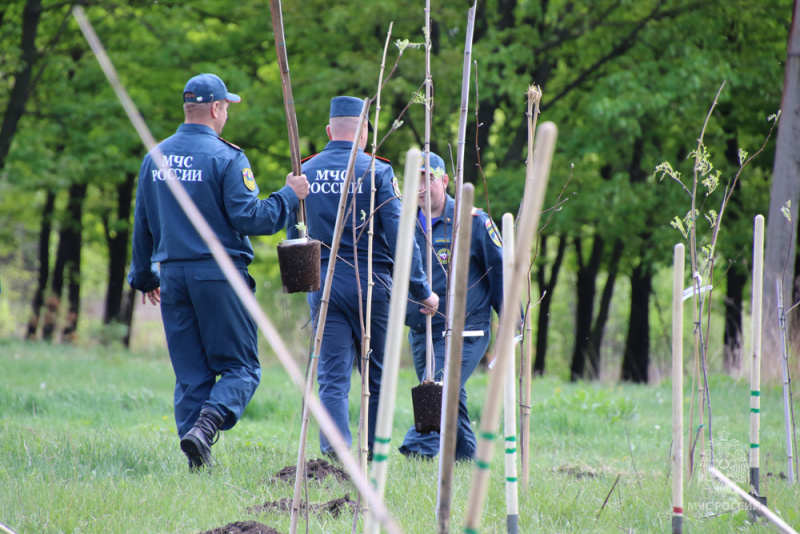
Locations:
{"points": [[347, 106], [208, 88], [436, 163]]}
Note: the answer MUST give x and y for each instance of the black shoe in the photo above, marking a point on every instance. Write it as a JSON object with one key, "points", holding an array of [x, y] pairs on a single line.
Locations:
{"points": [[196, 444]]}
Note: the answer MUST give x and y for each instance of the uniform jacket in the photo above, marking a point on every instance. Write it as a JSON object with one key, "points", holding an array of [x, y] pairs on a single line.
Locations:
{"points": [[326, 174], [485, 281], [218, 178]]}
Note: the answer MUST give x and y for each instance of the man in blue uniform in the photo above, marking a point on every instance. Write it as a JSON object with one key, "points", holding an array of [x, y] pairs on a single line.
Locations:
{"points": [[485, 291], [341, 342], [210, 335]]}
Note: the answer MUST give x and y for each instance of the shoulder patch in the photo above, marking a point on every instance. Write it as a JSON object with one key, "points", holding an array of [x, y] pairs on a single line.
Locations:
{"points": [[230, 144], [249, 179], [396, 188], [475, 211], [308, 158], [378, 157], [491, 229]]}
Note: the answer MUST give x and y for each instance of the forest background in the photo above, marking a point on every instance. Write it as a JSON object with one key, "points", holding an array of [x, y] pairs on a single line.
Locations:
{"points": [[629, 84]]}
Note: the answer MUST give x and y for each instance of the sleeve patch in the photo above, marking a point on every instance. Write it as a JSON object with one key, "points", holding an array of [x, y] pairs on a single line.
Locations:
{"points": [[249, 179], [491, 229], [396, 187]]}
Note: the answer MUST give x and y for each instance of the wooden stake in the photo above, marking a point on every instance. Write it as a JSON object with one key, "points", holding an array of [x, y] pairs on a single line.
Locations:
{"points": [[677, 389], [323, 314], [238, 284], [452, 367], [429, 356], [531, 208], [755, 364], [394, 334], [509, 398], [757, 507]]}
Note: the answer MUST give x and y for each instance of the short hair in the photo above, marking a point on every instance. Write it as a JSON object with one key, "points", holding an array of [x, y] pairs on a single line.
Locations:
{"points": [[193, 109], [344, 126]]}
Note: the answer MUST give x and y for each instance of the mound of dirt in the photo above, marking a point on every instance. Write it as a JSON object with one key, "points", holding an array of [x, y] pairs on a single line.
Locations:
{"points": [[243, 527], [333, 507], [315, 470]]}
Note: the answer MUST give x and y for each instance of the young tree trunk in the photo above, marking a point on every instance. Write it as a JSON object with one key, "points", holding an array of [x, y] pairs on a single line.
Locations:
{"points": [[44, 264], [118, 241], [77, 194], [586, 290], [547, 287], [636, 358], [734, 291]]}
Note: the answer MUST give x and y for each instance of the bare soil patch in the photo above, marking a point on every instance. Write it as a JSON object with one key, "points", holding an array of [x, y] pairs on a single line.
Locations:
{"points": [[243, 527], [317, 469], [334, 507]]}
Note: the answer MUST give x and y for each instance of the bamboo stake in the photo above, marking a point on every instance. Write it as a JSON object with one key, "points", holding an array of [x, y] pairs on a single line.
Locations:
{"points": [[758, 508], [531, 208], [241, 288], [677, 389], [365, 345], [288, 103], [755, 367], [323, 314], [429, 357], [6, 530], [509, 399], [786, 400], [459, 176], [534, 95], [452, 367], [394, 334]]}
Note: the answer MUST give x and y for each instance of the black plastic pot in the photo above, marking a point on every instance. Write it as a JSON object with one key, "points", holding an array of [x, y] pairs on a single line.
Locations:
{"points": [[299, 261], [427, 401]]}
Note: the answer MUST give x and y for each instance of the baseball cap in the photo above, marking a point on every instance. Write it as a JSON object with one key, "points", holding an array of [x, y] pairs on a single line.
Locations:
{"points": [[347, 106], [208, 88], [436, 163]]}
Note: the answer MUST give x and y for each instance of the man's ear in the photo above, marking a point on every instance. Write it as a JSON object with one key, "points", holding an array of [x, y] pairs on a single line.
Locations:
{"points": [[215, 105]]}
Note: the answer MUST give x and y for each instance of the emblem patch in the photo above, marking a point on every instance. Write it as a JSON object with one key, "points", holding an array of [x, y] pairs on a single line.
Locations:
{"points": [[249, 179], [444, 255], [396, 187], [493, 234]]}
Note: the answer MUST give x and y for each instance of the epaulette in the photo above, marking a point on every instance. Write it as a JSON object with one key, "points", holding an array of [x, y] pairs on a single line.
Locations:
{"points": [[231, 144], [308, 158], [476, 211], [378, 157]]}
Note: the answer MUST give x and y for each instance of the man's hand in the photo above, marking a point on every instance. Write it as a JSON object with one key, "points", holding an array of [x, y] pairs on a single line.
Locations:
{"points": [[431, 304], [154, 296], [299, 185]]}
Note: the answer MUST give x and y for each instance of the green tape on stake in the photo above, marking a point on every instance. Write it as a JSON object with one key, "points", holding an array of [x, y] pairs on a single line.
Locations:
{"points": [[380, 458], [511, 479], [755, 410], [754, 445], [511, 438], [488, 435], [481, 464], [468, 530], [511, 451], [314, 356], [755, 393], [383, 440]]}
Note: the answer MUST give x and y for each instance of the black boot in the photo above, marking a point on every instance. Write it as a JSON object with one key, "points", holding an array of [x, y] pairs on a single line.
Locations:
{"points": [[196, 444]]}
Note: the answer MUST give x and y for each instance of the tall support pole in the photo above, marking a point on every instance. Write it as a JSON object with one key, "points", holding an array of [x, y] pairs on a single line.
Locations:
{"points": [[509, 317], [452, 367], [755, 363], [429, 356], [677, 389], [509, 391], [323, 314], [394, 334], [787, 407], [240, 287]]}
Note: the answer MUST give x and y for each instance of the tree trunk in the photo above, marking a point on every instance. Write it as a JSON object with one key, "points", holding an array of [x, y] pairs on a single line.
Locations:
{"points": [[546, 287], [734, 290], [21, 90], [118, 241], [77, 194], [780, 237], [605, 304], [636, 358], [586, 290], [44, 263]]}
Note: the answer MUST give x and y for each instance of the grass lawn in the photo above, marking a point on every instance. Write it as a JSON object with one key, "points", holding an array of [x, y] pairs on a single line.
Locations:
{"points": [[88, 445]]}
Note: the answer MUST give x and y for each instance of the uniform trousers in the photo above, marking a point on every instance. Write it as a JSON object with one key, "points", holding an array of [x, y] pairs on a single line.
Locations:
{"points": [[341, 347], [212, 341], [474, 350]]}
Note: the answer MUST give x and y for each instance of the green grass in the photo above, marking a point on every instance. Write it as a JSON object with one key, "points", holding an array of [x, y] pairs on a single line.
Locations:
{"points": [[88, 445]]}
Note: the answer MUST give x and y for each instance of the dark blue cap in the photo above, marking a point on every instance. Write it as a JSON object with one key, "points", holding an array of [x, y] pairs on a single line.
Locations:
{"points": [[436, 163], [208, 88], [347, 106]]}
